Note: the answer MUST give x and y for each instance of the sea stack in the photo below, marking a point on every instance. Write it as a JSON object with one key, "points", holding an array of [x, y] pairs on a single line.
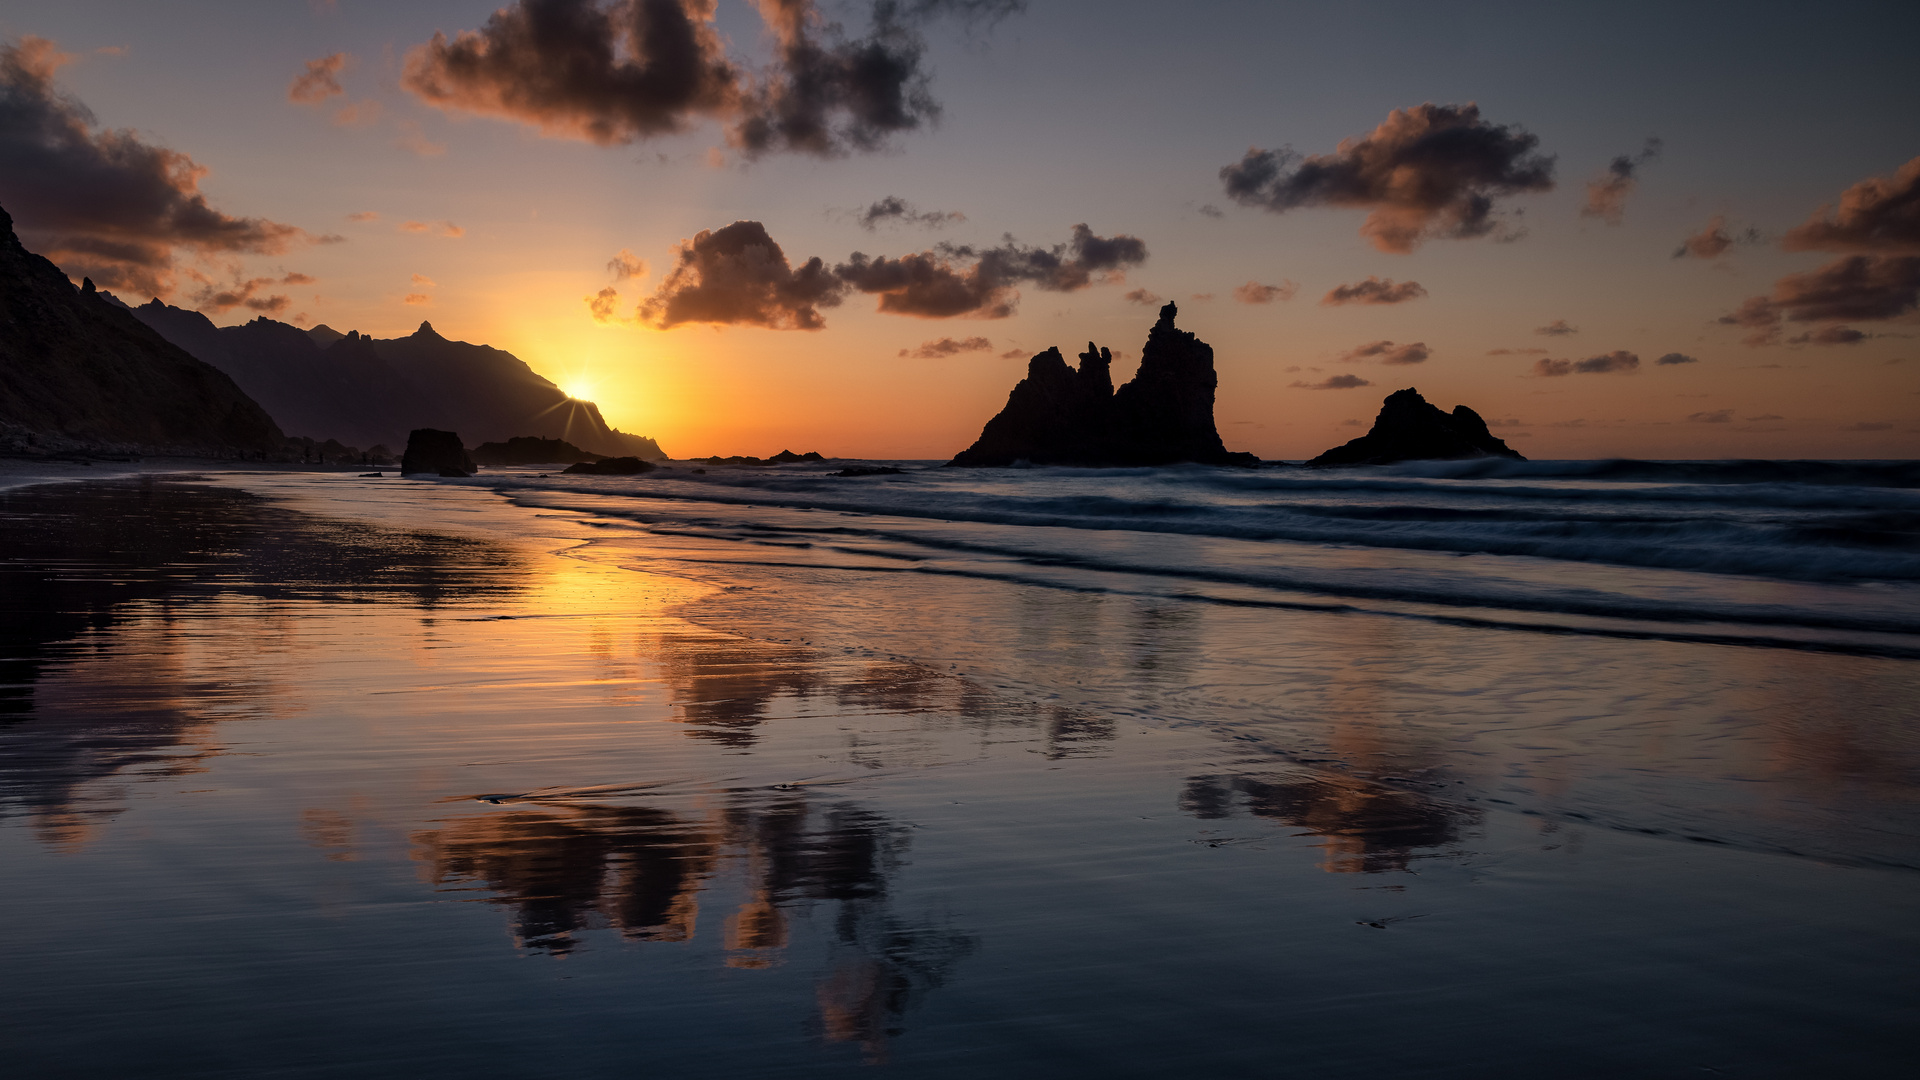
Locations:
{"points": [[439, 452], [1410, 429], [1062, 415]]}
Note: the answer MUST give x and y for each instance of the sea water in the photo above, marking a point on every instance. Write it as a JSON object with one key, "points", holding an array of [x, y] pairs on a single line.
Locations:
{"points": [[1453, 769]]}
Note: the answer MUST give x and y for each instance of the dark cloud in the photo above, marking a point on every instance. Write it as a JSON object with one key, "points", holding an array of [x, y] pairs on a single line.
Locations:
{"points": [[319, 82], [946, 346], [1429, 171], [1143, 298], [1374, 291], [1829, 335], [738, 276], [605, 72], [1607, 195], [959, 279], [1556, 328], [616, 71], [251, 294], [103, 203], [1516, 352], [1859, 288], [1714, 240], [1879, 214], [1676, 358], [1212, 211], [1337, 382], [894, 210], [1717, 416], [1389, 353], [1617, 362], [1869, 425], [1255, 293]]}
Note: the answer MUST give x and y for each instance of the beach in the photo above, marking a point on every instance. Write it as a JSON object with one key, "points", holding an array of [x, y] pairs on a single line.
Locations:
{"points": [[1430, 771]]}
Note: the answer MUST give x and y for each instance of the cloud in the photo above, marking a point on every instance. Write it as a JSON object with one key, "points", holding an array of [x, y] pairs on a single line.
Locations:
{"points": [[1607, 195], [1389, 353], [445, 228], [1617, 362], [1879, 214], [1212, 211], [1374, 291], [1013, 354], [417, 299], [1829, 335], [1432, 171], [1672, 358], [1516, 352], [319, 82], [1337, 382], [1859, 288], [1255, 293], [423, 280], [104, 203], [604, 305], [1714, 241], [1717, 416], [1868, 425], [363, 215], [892, 209], [737, 275], [617, 71], [946, 346], [958, 279], [627, 266], [358, 114], [1142, 297], [218, 299], [413, 138], [1556, 328]]}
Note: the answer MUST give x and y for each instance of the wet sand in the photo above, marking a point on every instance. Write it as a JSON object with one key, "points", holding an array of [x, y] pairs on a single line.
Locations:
{"points": [[321, 777]]}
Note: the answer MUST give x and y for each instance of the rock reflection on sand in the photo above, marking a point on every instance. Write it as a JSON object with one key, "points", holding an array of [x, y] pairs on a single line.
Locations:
{"points": [[641, 871], [1368, 828]]}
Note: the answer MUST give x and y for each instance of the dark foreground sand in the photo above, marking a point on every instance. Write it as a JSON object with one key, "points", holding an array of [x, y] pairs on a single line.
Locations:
{"points": [[406, 781]]}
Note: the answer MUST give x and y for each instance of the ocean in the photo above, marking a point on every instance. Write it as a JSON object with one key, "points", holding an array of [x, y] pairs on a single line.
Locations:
{"points": [[1443, 769]]}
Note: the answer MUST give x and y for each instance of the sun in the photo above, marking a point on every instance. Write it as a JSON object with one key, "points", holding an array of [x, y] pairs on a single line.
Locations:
{"points": [[578, 389]]}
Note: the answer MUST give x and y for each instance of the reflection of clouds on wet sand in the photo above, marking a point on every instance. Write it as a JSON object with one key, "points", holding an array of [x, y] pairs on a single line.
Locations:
{"points": [[642, 872], [1366, 827]]}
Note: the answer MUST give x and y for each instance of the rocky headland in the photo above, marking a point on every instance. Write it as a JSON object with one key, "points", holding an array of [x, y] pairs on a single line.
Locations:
{"points": [[1410, 429], [1062, 415]]}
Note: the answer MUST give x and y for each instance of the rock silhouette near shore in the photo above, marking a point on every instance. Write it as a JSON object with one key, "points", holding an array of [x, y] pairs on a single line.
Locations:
{"points": [[437, 452], [1060, 415], [1410, 429]]}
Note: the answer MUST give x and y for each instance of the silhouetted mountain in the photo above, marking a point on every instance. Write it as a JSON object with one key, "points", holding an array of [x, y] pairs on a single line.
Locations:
{"points": [[78, 369], [362, 391], [430, 451], [528, 450], [1410, 429], [1058, 415]]}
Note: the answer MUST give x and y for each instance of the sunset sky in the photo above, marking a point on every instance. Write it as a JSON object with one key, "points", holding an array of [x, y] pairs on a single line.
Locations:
{"points": [[1648, 230]]}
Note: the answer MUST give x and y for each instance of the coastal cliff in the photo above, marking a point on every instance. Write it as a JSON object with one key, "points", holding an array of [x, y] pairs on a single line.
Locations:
{"points": [[79, 372], [1062, 415]]}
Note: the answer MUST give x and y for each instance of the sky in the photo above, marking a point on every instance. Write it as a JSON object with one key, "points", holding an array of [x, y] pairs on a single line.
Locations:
{"points": [[1644, 230]]}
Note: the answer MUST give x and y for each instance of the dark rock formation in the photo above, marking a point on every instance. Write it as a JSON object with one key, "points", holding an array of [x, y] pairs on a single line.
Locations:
{"points": [[433, 451], [788, 457], [76, 370], [870, 470], [529, 450], [1409, 429], [362, 391], [1059, 415], [618, 466]]}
